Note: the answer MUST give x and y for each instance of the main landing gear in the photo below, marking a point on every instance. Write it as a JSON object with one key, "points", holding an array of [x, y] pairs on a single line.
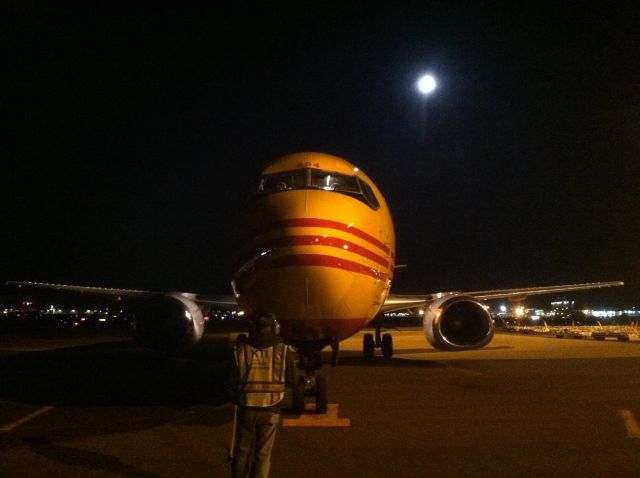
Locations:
{"points": [[384, 342]]}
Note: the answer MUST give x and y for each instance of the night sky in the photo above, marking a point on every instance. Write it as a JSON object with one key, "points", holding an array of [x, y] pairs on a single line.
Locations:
{"points": [[132, 137]]}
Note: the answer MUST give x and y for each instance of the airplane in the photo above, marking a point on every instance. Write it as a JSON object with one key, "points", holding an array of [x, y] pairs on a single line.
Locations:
{"points": [[315, 245]]}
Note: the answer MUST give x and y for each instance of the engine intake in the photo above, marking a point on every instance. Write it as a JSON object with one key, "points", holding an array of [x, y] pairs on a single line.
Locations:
{"points": [[168, 323], [456, 322]]}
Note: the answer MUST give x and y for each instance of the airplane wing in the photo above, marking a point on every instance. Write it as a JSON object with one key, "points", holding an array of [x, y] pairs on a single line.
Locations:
{"points": [[460, 320], [165, 321], [221, 301], [402, 302]]}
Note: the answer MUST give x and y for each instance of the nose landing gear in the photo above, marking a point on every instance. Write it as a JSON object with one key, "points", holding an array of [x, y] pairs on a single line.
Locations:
{"points": [[310, 383], [314, 386]]}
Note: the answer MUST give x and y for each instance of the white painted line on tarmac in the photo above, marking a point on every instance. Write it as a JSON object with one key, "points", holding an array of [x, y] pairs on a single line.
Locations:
{"points": [[23, 420], [630, 423]]}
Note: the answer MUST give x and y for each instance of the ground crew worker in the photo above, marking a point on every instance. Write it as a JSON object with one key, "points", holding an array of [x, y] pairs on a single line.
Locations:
{"points": [[257, 383]]}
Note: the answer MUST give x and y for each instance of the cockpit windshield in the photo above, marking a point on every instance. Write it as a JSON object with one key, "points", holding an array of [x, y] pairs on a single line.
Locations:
{"points": [[334, 182], [282, 181], [317, 179]]}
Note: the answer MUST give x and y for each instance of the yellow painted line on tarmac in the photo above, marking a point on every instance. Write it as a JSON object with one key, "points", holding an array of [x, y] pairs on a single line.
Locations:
{"points": [[312, 419], [630, 423], [23, 420]]}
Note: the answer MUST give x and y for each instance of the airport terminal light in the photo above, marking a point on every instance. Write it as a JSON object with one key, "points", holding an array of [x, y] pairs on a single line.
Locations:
{"points": [[426, 84]]}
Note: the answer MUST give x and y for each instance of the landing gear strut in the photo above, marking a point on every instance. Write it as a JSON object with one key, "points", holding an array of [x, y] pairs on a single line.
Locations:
{"points": [[310, 383], [384, 342]]}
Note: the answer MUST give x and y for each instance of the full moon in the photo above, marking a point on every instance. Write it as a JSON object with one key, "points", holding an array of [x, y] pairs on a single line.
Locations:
{"points": [[426, 84]]}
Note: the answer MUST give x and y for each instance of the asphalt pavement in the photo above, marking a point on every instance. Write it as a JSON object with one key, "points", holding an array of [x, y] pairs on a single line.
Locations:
{"points": [[523, 406]]}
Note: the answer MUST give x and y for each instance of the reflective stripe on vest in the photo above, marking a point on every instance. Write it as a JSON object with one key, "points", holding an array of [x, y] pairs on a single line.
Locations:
{"points": [[261, 374]]}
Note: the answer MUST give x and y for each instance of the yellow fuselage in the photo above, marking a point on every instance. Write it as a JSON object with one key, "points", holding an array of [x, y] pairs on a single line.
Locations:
{"points": [[320, 259]]}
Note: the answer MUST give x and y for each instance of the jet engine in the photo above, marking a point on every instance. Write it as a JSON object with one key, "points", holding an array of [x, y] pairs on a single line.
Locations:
{"points": [[457, 322], [168, 323]]}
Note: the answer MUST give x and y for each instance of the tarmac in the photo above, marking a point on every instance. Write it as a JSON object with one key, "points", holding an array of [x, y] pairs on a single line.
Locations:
{"points": [[526, 405]]}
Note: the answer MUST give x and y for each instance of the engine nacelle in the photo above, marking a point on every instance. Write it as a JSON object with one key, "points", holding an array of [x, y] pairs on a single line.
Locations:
{"points": [[457, 322], [168, 323]]}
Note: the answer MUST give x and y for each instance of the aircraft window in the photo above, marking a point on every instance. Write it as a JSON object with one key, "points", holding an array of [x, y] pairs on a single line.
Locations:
{"points": [[344, 184], [282, 181], [329, 181], [334, 182], [368, 193]]}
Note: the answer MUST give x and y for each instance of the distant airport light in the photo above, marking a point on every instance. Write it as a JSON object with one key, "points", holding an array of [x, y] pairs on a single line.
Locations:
{"points": [[426, 84]]}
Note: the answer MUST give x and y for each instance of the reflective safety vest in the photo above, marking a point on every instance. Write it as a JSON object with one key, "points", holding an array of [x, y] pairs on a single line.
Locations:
{"points": [[261, 374]]}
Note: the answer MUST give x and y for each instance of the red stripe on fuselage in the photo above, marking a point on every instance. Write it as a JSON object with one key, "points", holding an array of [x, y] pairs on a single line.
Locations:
{"points": [[309, 240], [326, 261], [326, 223]]}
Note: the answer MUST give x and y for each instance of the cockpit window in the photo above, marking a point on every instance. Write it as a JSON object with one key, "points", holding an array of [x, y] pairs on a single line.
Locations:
{"points": [[282, 181], [369, 194], [317, 179], [334, 182]]}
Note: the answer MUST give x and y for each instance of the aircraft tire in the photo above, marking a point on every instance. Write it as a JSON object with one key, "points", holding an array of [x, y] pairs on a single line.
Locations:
{"points": [[321, 394], [387, 346], [368, 346]]}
